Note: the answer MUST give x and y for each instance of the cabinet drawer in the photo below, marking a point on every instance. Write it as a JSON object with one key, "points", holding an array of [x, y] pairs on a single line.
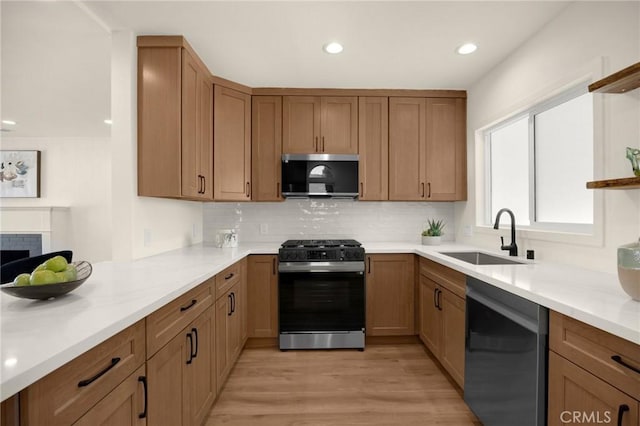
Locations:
{"points": [[450, 279], [228, 278], [166, 322], [63, 396], [611, 358]]}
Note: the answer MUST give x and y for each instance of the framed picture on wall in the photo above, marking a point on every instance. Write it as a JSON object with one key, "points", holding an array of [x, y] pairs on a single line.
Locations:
{"points": [[19, 174]]}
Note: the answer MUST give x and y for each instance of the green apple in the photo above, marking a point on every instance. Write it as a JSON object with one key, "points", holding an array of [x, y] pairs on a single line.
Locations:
{"points": [[22, 280], [69, 274], [43, 277], [40, 267], [56, 264]]}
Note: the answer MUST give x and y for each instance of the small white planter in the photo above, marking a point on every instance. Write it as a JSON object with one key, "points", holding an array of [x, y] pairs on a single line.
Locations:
{"points": [[431, 241]]}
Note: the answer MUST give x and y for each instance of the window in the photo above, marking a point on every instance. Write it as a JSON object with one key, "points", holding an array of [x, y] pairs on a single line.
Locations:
{"points": [[537, 164]]}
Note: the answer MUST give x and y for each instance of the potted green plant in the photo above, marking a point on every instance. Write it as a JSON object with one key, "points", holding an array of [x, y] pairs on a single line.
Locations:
{"points": [[432, 236]]}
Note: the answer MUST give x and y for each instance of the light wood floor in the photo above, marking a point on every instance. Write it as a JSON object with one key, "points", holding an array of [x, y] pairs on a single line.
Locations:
{"points": [[384, 385]]}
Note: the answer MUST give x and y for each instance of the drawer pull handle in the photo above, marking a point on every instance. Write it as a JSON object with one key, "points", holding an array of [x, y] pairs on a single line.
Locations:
{"points": [[228, 277], [189, 306], [190, 337], [621, 411], [273, 267], [143, 380], [439, 299], [618, 359], [233, 302], [230, 305], [87, 382]]}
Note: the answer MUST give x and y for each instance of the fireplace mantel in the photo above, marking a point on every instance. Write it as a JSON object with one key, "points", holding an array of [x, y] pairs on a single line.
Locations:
{"points": [[51, 222]]}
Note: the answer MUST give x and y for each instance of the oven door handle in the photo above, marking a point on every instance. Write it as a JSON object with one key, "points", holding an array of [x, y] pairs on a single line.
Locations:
{"points": [[320, 267]]}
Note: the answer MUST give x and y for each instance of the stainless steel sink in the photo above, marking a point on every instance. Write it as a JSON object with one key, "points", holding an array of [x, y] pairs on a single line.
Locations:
{"points": [[479, 258]]}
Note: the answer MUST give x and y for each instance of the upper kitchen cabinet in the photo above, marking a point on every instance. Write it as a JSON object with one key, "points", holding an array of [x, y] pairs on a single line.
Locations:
{"points": [[407, 146], [320, 124], [266, 148], [373, 148], [232, 145], [446, 149], [427, 149], [175, 129]]}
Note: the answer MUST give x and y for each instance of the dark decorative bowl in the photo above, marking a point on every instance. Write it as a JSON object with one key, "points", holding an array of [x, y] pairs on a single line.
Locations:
{"points": [[48, 291]]}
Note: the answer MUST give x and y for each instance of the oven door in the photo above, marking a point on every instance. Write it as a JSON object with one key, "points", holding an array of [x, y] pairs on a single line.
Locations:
{"points": [[321, 297]]}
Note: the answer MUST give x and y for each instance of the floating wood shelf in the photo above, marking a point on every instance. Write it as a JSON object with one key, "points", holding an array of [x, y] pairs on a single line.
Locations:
{"points": [[620, 82], [624, 183]]}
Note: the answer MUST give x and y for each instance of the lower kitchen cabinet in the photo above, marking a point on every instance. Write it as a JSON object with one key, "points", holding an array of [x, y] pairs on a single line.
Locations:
{"points": [[262, 295], [593, 375], [390, 295], [181, 378], [230, 310], [576, 396], [442, 322], [70, 392], [124, 406]]}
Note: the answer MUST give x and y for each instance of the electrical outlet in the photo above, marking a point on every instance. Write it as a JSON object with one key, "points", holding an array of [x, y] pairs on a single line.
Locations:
{"points": [[147, 237], [468, 231], [264, 229]]}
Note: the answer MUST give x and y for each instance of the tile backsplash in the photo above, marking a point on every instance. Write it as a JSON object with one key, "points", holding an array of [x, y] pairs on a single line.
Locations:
{"points": [[295, 219]]}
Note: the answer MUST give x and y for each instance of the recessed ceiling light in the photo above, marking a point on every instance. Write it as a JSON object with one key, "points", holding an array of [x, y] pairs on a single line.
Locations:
{"points": [[333, 47], [9, 122], [466, 48], [108, 121]]}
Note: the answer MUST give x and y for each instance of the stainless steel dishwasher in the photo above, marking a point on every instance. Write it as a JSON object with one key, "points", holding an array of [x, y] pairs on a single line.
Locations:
{"points": [[505, 378]]}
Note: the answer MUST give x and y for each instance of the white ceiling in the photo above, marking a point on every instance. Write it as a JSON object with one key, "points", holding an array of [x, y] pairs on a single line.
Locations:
{"points": [[55, 55]]}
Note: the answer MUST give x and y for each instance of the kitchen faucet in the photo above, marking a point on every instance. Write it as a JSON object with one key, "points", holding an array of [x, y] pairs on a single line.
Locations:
{"points": [[513, 248]]}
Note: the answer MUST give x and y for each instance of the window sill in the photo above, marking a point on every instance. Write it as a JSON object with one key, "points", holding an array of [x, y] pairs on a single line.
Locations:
{"points": [[594, 239]]}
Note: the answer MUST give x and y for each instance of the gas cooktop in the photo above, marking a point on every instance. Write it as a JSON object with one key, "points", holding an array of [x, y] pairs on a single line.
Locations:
{"points": [[320, 243]]}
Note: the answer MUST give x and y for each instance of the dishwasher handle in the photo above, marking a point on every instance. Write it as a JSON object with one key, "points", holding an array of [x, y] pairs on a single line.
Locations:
{"points": [[504, 310]]}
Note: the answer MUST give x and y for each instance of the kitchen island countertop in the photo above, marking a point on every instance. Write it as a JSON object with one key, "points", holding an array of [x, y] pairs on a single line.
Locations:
{"points": [[37, 337]]}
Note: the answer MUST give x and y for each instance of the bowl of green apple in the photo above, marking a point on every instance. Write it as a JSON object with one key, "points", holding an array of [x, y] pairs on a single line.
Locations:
{"points": [[50, 279]]}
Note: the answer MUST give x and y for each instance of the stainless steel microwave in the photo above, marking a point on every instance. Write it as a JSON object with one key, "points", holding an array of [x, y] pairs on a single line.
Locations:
{"points": [[319, 175]]}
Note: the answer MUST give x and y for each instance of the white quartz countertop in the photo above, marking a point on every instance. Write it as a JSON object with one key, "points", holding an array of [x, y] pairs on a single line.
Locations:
{"points": [[37, 337]]}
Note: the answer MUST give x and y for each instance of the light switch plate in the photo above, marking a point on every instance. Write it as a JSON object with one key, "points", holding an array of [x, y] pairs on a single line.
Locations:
{"points": [[264, 229]]}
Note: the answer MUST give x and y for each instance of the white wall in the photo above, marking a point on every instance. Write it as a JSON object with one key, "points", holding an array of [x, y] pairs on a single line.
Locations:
{"points": [[75, 174], [584, 35], [295, 219]]}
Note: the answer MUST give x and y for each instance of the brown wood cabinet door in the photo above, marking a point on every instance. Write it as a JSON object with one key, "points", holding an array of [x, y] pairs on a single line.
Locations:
{"points": [[453, 333], [123, 406], [166, 380], [300, 124], [407, 145], [205, 137], [234, 325], [446, 149], [242, 306], [159, 112], [338, 125], [200, 373], [430, 321], [263, 296], [223, 310], [373, 148], [575, 392], [232, 145], [191, 129], [390, 292], [266, 148]]}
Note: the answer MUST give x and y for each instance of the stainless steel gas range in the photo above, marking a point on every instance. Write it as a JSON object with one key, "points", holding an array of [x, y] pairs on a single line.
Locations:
{"points": [[321, 294]]}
